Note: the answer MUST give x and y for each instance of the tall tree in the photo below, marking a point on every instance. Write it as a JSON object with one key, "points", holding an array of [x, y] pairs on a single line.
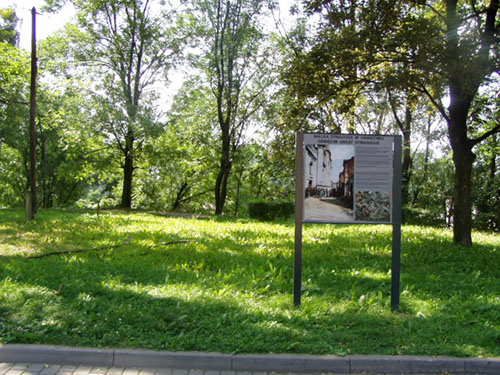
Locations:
{"points": [[238, 74], [130, 45], [471, 56], [178, 172], [14, 145], [439, 48]]}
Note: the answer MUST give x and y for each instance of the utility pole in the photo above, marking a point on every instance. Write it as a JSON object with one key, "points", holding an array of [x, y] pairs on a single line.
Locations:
{"points": [[31, 203]]}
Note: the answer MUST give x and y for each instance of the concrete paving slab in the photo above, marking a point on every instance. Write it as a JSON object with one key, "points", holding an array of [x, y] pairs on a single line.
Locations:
{"points": [[82, 370], [16, 359], [99, 370], [14, 372], [50, 370], [115, 371], [35, 367], [20, 366], [50, 354], [68, 368]]}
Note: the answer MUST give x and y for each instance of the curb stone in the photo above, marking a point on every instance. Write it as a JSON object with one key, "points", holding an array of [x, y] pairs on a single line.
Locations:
{"points": [[262, 363]]}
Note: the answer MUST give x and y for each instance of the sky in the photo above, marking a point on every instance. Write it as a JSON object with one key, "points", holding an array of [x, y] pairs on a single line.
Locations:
{"points": [[339, 154], [46, 23]]}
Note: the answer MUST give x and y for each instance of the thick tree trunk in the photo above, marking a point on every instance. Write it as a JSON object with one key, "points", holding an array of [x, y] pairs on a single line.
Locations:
{"points": [[462, 213], [128, 171], [225, 162], [221, 184], [463, 158]]}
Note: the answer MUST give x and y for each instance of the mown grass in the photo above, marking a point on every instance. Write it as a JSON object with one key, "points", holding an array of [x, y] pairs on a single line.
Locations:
{"points": [[230, 288]]}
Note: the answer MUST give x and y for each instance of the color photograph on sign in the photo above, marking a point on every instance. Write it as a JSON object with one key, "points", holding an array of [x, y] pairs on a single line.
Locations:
{"points": [[348, 178]]}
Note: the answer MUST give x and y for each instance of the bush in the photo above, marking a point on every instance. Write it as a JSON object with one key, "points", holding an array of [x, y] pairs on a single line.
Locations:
{"points": [[262, 210], [419, 216]]}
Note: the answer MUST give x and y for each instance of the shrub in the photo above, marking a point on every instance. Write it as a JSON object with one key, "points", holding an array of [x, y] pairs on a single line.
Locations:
{"points": [[262, 210], [419, 216]]}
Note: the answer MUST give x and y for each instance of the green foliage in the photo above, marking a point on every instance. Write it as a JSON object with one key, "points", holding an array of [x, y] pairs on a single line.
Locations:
{"points": [[126, 47], [421, 216], [230, 289], [14, 84], [8, 23], [263, 210], [12, 180], [180, 163], [486, 192], [432, 190], [236, 62]]}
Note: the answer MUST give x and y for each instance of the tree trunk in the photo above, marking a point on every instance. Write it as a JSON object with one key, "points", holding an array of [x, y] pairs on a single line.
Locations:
{"points": [[181, 193], [407, 162], [221, 184], [237, 200], [463, 158], [128, 171], [462, 218]]}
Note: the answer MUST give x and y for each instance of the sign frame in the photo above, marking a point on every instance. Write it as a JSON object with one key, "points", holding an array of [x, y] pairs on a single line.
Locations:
{"points": [[395, 197]]}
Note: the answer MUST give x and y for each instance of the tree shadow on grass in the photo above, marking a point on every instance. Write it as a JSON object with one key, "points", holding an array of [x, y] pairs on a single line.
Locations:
{"points": [[95, 314], [213, 295]]}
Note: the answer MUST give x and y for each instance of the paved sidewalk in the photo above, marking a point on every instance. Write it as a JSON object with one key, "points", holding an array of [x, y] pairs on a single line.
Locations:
{"points": [[61, 360], [44, 369]]}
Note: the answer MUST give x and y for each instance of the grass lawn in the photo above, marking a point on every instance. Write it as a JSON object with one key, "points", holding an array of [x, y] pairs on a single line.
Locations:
{"points": [[229, 288]]}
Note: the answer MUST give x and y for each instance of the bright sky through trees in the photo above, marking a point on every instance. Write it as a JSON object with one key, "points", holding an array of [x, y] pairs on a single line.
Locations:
{"points": [[48, 23]]}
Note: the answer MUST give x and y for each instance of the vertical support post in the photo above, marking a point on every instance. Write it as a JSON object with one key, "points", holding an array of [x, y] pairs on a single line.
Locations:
{"points": [[32, 134], [299, 214], [396, 224]]}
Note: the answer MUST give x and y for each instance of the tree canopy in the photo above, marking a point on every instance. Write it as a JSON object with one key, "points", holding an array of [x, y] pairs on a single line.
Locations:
{"points": [[112, 130]]}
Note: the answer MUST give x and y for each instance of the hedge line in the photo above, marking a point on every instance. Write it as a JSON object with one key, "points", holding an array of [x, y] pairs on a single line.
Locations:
{"points": [[262, 210]]}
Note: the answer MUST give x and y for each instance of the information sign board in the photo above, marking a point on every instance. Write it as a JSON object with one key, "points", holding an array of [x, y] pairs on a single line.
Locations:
{"points": [[348, 178]]}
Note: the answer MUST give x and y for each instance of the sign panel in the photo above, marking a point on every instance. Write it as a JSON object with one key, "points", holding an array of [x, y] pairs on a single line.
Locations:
{"points": [[348, 178]]}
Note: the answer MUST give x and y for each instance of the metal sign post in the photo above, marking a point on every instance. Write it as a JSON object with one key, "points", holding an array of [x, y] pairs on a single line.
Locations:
{"points": [[396, 225], [351, 179], [299, 213]]}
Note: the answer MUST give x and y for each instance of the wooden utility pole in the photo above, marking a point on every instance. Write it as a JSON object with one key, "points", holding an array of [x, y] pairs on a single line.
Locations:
{"points": [[31, 204]]}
